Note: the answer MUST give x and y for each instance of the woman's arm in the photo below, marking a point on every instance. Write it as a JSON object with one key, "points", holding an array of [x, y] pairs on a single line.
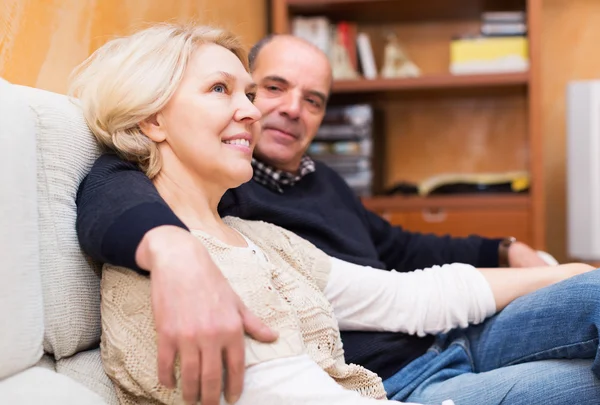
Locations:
{"points": [[426, 301], [433, 300]]}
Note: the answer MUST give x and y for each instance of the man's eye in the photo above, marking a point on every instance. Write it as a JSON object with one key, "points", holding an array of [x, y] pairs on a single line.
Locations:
{"points": [[273, 88], [313, 102]]}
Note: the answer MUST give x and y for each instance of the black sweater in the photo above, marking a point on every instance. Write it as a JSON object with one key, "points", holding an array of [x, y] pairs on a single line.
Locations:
{"points": [[117, 205]]}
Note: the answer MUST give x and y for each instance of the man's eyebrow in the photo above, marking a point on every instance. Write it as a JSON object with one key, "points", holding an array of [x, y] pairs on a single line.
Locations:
{"points": [[277, 79], [281, 80]]}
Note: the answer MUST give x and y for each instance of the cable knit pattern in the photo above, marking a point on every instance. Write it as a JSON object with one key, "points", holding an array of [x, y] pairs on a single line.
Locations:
{"points": [[285, 291]]}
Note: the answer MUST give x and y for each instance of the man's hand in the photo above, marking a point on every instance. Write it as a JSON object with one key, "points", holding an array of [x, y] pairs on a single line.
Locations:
{"points": [[521, 255], [197, 316]]}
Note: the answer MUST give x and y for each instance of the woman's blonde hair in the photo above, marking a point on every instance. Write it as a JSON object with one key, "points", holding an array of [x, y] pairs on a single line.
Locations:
{"points": [[129, 79]]}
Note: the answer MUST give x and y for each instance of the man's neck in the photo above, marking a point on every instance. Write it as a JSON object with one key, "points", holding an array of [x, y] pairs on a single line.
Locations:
{"points": [[291, 168]]}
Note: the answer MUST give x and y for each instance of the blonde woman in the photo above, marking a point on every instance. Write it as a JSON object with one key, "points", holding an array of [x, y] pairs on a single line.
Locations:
{"points": [[177, 101]]}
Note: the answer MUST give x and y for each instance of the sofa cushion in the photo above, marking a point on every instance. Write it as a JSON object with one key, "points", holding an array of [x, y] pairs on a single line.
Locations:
{"points": [[47, 361], [66, 150], [41, 386], [21, 312], [86, 368]]}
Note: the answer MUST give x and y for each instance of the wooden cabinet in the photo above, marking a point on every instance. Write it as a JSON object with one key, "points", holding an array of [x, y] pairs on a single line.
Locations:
{"points": [[494, 217], [444, 123]]}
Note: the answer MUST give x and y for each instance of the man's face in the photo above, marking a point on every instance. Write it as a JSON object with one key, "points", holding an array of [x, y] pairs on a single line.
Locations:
{"points": [[293, 81]]}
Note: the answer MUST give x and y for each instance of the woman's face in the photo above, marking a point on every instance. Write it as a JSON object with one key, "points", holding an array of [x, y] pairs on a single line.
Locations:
{"points": [[210, 126]]}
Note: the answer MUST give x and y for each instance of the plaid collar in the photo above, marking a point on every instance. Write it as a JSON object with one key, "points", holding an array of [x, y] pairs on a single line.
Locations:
{"points": [[276, 179]]}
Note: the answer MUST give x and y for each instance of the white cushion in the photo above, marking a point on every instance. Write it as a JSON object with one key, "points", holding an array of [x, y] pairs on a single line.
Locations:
{"points": [[21, 307], [66, 150], [86, 368], [47, 361], [41, 386]]}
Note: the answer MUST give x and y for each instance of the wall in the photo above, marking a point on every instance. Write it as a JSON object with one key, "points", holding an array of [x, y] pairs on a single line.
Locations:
{"points": [[42, 40], [570, 44]]}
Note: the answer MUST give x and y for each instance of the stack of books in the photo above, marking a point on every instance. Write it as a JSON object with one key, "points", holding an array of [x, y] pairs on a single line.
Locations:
{"points": [[345, 143], [504, 23], [502, 46], [324, 34]]}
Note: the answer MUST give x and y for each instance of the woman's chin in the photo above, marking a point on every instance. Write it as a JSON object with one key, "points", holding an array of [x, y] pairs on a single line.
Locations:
{"points": [[240, 177]]}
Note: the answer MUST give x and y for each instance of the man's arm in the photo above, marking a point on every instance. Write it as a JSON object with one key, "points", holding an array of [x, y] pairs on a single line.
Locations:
{"points": [[116, 206], [121, 219], [405, 251]]}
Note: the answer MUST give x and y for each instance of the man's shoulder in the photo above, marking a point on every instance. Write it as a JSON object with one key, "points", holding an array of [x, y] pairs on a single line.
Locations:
{"points": [[333, 179]]}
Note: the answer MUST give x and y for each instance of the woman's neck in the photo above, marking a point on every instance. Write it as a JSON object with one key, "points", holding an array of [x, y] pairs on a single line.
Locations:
{"points": [[195, 205], [194, 200]]}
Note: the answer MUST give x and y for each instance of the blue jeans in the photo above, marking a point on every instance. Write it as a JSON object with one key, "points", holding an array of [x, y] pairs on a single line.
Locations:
{"points": [[541, 349]]}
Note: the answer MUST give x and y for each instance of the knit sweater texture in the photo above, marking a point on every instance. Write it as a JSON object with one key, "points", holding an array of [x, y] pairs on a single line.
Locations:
{"points": [[285, 291]]}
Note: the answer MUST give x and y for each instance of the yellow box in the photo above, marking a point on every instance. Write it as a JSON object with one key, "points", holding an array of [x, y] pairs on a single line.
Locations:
{"points": [[486, 49]]}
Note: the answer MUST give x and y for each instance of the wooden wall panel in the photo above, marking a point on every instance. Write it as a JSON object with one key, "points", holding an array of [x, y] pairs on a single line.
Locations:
{"points": [[42, 40], [444, 133], [570, 40]]}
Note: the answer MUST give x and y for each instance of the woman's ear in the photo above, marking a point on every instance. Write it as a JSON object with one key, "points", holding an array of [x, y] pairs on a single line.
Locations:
{"points": [[152, 127]]}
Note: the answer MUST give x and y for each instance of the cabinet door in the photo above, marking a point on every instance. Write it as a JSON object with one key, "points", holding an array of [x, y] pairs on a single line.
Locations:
{"points": [[492, 223]]}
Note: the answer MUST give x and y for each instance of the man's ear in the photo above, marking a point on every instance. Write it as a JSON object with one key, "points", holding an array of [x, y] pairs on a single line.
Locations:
{"points": [[152, 128]]}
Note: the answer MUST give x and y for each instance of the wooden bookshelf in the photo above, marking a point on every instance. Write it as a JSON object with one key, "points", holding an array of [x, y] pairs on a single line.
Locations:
{"points": [[432, 82], [440, 122]]}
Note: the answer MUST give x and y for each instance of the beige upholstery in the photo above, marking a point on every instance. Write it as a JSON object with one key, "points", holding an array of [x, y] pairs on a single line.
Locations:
{"points": [[65, 152], [50, 294], [86, 368], [38, 385]]}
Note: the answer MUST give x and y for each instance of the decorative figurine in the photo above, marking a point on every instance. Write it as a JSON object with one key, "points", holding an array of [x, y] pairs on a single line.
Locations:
{"points": [[395, 61]]}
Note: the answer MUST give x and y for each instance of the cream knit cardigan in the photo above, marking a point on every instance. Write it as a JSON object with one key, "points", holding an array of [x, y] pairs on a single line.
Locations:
{"points": [[285, 291]]}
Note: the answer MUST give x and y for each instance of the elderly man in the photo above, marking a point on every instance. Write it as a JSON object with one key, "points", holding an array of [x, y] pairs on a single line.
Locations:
{"points": [[123, 220]]}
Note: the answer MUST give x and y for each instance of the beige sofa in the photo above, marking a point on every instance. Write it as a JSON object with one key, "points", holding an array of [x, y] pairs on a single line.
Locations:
{"points": [[49, 292]]}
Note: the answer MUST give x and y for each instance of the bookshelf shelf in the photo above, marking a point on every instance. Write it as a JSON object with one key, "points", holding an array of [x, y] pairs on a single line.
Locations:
{"points": [[488, 201], [431, 82]]}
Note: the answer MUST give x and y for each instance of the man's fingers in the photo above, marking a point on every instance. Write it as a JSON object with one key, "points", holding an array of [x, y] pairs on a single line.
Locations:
{"points": [[166, 361], [190, 372], [235, 366], [211, 377], [256, 328]]}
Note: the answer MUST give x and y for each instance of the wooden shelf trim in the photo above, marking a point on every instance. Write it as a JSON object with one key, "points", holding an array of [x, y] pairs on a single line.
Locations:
{"points": [[431, 82], [491, 201]]}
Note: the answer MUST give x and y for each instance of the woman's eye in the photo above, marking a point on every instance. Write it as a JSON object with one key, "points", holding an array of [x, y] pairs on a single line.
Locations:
{"points": [[219, 88], [251, 96]]}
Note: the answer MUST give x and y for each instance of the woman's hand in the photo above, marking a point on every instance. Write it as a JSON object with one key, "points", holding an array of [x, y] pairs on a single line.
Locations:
{"points": [[197, 315], [508, 284]]}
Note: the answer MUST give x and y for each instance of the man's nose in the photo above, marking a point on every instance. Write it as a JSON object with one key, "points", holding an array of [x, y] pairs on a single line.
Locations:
{"points": [[292, 106]]}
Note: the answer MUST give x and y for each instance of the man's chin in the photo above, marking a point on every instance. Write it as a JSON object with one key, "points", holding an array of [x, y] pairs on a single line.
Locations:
{"points": [[274, 154]]}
